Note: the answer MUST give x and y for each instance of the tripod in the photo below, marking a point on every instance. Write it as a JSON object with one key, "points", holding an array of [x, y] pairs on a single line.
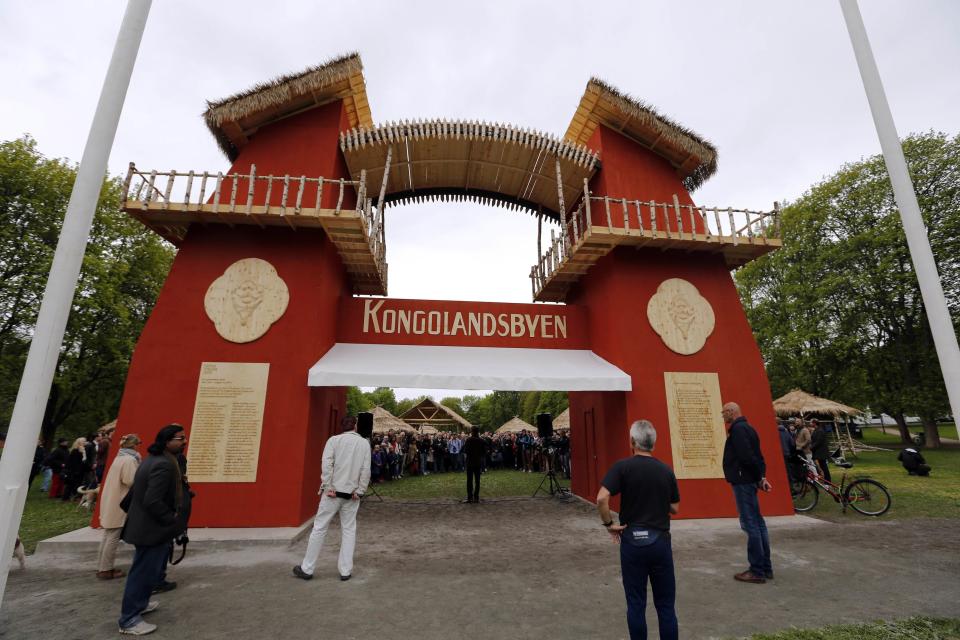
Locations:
{"points": [[372, 490], [555, 487]]}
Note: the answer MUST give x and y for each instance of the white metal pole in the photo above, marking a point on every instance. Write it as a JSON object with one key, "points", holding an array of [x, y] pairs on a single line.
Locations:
{"points": [[944, 337], [38, 373]]}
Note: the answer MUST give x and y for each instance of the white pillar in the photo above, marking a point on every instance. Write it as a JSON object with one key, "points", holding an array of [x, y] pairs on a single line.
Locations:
{"points": [[944, 337], [38, 373]]}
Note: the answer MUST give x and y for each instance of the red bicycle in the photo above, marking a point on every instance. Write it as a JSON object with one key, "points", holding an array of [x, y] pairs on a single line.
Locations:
{"points": [[865, 495]]}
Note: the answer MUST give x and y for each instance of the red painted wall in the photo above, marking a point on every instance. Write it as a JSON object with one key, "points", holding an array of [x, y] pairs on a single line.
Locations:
{"points": [[635, 173], [164, 371], [616, 292]]}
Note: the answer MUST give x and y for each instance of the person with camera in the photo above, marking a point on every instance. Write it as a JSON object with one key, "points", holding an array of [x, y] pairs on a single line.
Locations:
{"points": [[155, 516], [648, 496], [344, 476]]}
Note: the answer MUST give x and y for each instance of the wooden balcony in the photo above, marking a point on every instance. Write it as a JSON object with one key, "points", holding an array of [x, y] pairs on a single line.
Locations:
{"points": [[169, 202], [600, 223]]}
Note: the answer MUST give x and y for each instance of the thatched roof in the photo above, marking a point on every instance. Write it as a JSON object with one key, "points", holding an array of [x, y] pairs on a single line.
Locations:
{"points": [[562, 421], [515, 425], [799, 402], [694, 158], [384, 421], [427, 430], [429, 412], [234, 119]]}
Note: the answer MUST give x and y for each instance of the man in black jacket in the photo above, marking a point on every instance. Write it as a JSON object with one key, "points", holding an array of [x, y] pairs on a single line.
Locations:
{"points": [[745, 469], [154, 518], [474, 450]]}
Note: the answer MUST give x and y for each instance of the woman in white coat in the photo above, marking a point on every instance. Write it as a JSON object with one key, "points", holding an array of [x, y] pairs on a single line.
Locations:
{"points": [[118, 481]]}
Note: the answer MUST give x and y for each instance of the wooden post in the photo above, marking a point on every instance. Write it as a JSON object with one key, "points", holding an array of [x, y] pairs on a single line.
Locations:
{"points": [[386, 176], [653, 218], [539, 231], [126, 184], [303, 181], [716, 216], [283, 198], [666, 220], [626, 216], [676, 209], [733, 229], [216, 193], [362, 191], [186, 196], [166, 193], [563, 208], [319, 193], [266, 202], [336, 211], [588, 222], [203, 189], [251, 180], [606, 206], [233, 192]]}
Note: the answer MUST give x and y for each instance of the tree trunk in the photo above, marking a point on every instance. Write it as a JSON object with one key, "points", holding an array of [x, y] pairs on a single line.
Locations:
{"points": [[902, 426], [931, 432]]}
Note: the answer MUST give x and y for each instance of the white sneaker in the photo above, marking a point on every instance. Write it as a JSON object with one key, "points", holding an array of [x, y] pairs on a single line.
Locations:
{"points": [[142, 628], [153, 605]]}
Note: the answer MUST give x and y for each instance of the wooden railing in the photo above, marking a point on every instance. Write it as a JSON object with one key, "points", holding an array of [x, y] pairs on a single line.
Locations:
{"points": [[610, 220], [247, 197]]}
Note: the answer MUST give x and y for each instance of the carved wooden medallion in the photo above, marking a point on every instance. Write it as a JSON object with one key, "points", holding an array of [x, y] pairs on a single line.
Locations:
{"points": [[681, 316], [246, 300]]}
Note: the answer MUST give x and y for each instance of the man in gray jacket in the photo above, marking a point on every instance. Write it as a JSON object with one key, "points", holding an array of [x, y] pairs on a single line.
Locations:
{"points": [[344, 478]]}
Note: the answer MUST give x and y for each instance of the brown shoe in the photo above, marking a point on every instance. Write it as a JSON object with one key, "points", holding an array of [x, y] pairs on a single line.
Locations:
{"points": [[749, 576], [110, 575]]}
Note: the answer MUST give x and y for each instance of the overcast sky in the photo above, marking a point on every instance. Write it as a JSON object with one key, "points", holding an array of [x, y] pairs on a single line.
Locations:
{"points": [[774, 85]]}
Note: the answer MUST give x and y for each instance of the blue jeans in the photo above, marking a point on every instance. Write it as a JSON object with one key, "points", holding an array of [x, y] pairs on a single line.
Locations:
{"points": [[148, 565], [47, 477], [656, 563], [758, 543]]}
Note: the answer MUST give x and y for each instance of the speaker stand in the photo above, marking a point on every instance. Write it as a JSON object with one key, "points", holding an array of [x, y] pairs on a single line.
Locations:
{"points": [[555, 488], [371, 490]]}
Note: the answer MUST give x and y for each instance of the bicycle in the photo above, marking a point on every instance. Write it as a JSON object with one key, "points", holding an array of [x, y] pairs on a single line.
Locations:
{"points": [[865, 495]]}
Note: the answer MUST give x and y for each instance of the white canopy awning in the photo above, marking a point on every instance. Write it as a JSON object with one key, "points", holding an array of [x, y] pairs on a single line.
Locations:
{"points": [[428, 367]]}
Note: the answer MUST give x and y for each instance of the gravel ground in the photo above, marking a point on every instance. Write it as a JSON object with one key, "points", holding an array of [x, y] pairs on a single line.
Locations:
{"points": [[522, 568]]}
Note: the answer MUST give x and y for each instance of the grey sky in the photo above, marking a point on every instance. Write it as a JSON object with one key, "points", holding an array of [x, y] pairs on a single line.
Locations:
{"points": [[773, 85]]}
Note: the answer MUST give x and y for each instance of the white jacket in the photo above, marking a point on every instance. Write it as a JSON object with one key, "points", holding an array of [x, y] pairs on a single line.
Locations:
{"points": [[346, 464]]}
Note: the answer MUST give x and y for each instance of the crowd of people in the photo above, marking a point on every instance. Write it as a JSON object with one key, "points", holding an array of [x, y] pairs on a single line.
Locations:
{"points": [[70, 466], [398, 453], [807, 439]]}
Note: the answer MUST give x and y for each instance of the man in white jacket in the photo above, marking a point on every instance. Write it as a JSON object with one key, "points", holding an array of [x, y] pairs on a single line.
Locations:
{"points": [[344, 478]]}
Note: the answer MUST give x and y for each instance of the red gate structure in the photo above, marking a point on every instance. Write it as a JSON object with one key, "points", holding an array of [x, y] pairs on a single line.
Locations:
{"points": [[272, 304]]}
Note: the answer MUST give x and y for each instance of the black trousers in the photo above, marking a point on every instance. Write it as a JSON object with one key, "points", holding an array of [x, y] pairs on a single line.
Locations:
{"points": [[473, 483]]}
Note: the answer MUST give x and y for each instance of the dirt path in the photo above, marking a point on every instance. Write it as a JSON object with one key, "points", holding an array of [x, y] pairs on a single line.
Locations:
{"points": [[525, 568]]}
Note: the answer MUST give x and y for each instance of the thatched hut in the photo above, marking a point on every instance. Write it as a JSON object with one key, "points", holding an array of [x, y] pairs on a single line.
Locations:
{"points": [[800, 403], [515, 425], [562, 421], [384, 421], [803, 404], [434, 414]]}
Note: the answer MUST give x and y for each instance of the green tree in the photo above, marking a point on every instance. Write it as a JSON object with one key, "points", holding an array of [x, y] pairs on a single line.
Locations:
{"points": [[357, 401], [123, 270], [838, 310], [382, 397]]}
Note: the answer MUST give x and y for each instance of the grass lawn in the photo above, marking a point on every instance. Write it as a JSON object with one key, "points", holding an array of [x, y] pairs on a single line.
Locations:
{"points": [[45, 518], [876, 436], [936, 496], [910, 629], [493, 484]]}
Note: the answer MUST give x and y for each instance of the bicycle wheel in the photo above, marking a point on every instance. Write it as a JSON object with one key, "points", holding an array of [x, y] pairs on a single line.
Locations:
{"points": [[868, 497], [805, 496]]}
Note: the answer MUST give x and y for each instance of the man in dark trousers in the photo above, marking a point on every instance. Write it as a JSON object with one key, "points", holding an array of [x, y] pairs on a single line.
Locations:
{"points": [[820, 448], [474, 449], [649, 494], [913, 461], [745, 469], [154, 518]]}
